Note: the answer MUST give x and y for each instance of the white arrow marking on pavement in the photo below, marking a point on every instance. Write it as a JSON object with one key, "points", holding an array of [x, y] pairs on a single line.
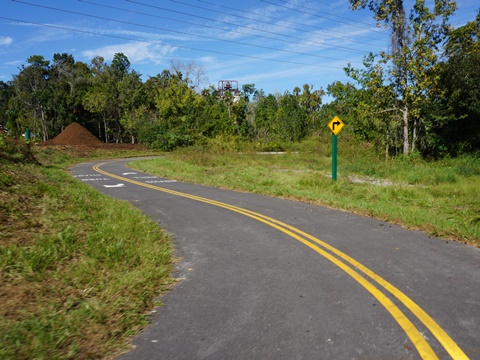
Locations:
{"points": [[114, 186]]}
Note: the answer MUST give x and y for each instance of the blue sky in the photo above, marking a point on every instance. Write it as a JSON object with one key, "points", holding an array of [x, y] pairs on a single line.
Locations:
{"points": [[274, 44]]}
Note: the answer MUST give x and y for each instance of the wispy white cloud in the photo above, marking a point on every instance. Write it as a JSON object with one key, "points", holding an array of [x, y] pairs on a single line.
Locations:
{"points": [[5, 40], [15, 63], [55, 32], [136, 52]]}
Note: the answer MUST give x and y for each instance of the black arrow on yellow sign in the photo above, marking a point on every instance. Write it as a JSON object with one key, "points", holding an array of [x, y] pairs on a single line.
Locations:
{"points": [[336, 125]]}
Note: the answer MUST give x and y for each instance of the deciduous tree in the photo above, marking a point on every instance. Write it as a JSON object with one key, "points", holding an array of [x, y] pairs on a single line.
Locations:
{"points": [[33, 93], [455, 111], [414, 52], [6, 93]]}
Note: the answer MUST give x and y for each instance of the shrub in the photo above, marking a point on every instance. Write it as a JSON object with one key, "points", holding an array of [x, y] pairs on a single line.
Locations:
{"points": [[17, 151]]}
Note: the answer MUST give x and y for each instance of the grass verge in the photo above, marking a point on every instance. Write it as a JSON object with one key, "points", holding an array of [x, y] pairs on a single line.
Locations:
{"points": [[78, 270], [441, 198]]}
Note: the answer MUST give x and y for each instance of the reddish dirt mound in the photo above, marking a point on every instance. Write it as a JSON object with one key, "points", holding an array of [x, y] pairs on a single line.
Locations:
{"points": [[75, 134]]}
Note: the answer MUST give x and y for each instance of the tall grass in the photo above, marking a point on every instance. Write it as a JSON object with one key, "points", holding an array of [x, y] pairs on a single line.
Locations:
{"points": [[78, 270], [440, 197]]}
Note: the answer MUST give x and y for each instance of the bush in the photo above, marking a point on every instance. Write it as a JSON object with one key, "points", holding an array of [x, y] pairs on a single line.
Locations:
{"points": [[270, 146], [226, 143], [16, 151], [170, 142], [159, 138]]}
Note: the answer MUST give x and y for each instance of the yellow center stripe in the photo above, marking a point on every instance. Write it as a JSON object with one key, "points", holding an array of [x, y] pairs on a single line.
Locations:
{"points": [[423, 348]]}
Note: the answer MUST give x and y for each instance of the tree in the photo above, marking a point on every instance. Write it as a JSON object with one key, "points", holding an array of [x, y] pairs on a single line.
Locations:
{"points": [[291, 119], [248, 91], [174, 102], [98, 98], [344, 99], [120, 66], [374, 104], [33, 93], [6, 93], [265, 127], [124, 89], [310, 100], [61, 82], [131, 95], [192, 73], [113, 94], [455, 111], [464, 40], [68, 84], [248, 94], [228, 98], [212, 117], [414, 52], [176, 105]]}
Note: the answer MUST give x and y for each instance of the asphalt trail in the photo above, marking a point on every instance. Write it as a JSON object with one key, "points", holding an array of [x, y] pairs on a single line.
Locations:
{"points": [[266, 278]]}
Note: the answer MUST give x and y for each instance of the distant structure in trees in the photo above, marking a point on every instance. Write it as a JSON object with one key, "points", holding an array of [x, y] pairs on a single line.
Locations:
{"points": [[228, 85]]}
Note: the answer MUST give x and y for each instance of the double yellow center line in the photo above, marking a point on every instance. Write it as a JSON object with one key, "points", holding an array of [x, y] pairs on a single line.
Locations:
{"points": [[348, 265]]}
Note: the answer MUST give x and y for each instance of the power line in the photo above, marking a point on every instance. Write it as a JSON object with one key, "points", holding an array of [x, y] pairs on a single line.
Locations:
{"points": [[239, 25], [321, 12], [263, 22], [179, 32], [180, 21], [164, 44], [290, 21], [340, 48]]}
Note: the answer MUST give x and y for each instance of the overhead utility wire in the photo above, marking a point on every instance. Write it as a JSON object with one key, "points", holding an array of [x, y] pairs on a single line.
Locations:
{"points": [[340, 48], [182, 21], [262, 22], [293, 9], [178, 32], [283, 20], [299, 11], [323, 12], [165, 44], [224, 22]]}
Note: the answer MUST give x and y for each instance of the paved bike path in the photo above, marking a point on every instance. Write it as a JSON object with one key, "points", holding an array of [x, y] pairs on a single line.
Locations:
{"points": [[254, 282]]}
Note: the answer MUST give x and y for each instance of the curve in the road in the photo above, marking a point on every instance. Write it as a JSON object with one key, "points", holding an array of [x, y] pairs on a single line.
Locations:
{"points": [[422, 346]]}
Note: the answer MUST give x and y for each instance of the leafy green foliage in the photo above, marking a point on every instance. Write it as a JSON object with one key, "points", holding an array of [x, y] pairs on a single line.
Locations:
{"points": [[265, 112], [292, 119], [414, 53], [455, 108], [6, 114]]}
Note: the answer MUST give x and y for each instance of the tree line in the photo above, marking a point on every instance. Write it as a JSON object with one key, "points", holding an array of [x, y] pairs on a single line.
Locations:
{"points": [[165, 111], [423, 95]]}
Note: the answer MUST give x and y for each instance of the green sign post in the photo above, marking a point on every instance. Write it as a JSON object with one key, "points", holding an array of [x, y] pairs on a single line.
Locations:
{"points": [[334, 157], [335, 125]]}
